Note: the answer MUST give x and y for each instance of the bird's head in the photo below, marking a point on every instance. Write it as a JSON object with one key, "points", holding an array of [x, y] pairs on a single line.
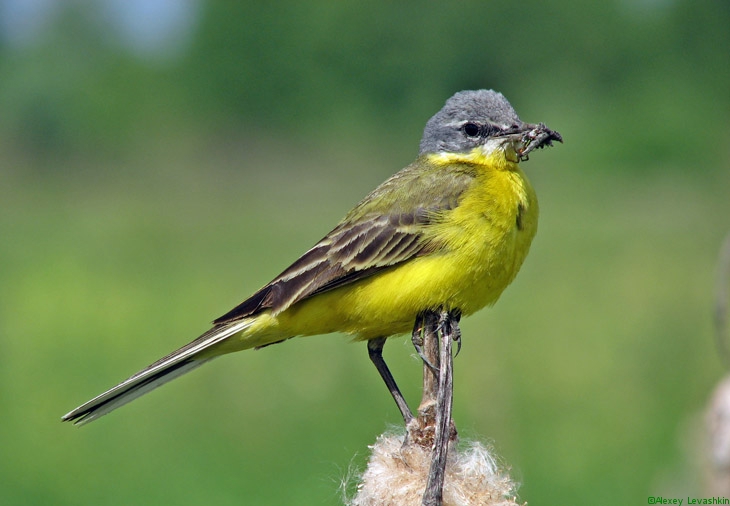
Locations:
{"points": [[481, 124]]}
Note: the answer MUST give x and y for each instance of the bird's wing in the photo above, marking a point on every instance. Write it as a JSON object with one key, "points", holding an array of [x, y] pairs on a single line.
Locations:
{"points": [[384, 229]]}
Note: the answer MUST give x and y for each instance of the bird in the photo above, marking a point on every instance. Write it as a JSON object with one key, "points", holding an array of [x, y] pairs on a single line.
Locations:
{"points": [[448, 232]]}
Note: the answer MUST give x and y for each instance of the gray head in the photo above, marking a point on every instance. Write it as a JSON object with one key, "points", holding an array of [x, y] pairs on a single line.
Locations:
{"points": [[468, 119]]}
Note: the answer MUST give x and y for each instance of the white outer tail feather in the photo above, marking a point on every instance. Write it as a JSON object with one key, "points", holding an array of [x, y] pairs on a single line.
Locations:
{"points": [[166, 369]]}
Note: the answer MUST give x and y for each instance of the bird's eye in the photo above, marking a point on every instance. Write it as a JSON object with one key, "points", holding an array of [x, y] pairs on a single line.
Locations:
{"points": [[471, 129]]}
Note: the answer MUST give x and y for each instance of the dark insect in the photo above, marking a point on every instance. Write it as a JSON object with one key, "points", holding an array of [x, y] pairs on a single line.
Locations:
{"points": [[537, 138]]}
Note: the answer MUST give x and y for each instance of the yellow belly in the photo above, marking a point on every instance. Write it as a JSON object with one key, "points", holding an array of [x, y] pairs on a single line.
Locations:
{"points": [[486, 239]]}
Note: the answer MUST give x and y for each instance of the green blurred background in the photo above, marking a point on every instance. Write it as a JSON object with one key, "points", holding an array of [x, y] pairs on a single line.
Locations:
{"points": [[161, 160]]}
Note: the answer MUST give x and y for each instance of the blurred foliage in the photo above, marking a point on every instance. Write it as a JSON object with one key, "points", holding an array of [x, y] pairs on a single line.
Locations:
{"points": [[637, 73], [144, 196]]}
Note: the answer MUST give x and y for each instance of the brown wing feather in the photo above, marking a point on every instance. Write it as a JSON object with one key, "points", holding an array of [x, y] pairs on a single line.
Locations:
{"points": [[364, 244]]}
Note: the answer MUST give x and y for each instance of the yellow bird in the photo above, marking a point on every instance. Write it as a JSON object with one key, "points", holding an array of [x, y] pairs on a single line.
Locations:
{"points": [[449, 231]]}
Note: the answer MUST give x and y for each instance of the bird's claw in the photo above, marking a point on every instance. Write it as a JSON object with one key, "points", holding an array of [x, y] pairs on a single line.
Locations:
{"points": [[417, 340], [449, 326]]}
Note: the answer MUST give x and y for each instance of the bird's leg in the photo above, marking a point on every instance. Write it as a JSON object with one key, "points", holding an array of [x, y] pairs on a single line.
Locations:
{"points": [[375, 351], [418, 339]]}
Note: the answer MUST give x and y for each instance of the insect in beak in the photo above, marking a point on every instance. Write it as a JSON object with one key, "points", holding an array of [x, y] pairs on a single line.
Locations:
{"points": [[536, 137]]}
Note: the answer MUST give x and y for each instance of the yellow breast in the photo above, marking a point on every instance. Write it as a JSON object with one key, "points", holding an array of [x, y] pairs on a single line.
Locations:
{"points": [[490, 232]]}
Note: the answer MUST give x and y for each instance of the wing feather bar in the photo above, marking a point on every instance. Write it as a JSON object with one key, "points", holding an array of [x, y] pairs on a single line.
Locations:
{"points": [[351, 252]]}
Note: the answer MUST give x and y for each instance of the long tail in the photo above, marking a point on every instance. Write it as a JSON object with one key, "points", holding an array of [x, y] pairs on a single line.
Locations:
{"points": [[166, 369]]}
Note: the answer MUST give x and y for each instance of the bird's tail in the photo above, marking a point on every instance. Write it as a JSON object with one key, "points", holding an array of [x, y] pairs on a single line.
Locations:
{"points": [[166, 369]]}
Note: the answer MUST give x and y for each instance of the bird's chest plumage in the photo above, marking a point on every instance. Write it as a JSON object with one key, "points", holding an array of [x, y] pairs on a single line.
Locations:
{"points": [[489, 235]]}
